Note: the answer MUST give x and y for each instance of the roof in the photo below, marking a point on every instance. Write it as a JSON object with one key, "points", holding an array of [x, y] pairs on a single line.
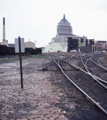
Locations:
{"points": [[29, 42], [64, 34], [64, 20], [11, 45], [101, 41]]}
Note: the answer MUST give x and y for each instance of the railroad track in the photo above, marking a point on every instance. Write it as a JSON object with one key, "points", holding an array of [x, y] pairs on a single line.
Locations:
{"points": [[98, 64], [95, 77], [94, 89]]}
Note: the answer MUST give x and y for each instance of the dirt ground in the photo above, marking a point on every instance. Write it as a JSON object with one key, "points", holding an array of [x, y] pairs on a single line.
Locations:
{"points": [[37, 100], [47, 94]]}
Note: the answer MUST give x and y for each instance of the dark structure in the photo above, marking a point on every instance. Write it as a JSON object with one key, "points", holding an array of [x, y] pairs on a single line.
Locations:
{"points": [[38, 50], [72, 43], [91, 41], [88, 47], [82, 40], [4, 50], [101, 41], [11, 45], [86, 42]]}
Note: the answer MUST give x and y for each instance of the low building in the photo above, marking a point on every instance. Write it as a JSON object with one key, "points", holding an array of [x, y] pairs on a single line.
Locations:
{"points": [[4, 43], [30, 44], [97, 47], [101, 42], [56, 47]]}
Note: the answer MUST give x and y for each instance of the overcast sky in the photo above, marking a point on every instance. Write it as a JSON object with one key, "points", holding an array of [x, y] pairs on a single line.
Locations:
{"points": [[37, 20]]}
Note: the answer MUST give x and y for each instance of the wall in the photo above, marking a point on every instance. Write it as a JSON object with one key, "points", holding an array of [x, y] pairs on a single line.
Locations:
{"points": [[29, 45]]}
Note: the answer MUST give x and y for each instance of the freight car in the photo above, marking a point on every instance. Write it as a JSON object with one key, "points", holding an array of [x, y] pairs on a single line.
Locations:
{"points": [[11, 50], [38, 50], [33, 51], [30, 51], [4, 50]]}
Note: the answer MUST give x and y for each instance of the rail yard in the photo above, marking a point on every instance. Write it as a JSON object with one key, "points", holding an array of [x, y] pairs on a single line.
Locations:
{"points": [[58, 86]]}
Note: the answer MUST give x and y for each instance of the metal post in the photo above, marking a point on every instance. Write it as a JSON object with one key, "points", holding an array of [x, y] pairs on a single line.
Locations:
{"points": [[20, 63]]}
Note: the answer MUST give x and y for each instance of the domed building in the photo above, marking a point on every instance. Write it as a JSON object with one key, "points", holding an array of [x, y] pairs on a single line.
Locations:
{"points": [[60, 42], [64, 27]]}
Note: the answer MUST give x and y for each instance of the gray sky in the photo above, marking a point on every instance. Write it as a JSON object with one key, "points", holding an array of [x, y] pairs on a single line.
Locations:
{"points": [[37, 20]]}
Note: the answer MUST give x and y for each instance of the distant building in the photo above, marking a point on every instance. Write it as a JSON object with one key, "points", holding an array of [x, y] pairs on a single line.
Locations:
{"points": [[101, 42], [11, 45], [60, 42], [30, 44], [99, 46], [4, 43]]}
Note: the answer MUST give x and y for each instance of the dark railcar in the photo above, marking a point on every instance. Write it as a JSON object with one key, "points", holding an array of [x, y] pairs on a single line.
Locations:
{"points": [[38, 50], [30, 51], [33, 51], [27, 50], [3, 50], [11, 50]]}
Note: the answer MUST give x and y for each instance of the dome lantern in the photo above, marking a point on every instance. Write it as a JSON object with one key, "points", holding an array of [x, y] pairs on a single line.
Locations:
{"points": [[64, 16]]}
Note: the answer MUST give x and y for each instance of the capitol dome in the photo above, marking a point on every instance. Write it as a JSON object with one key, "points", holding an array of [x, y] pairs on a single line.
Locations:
{"points": [[64, 27]]}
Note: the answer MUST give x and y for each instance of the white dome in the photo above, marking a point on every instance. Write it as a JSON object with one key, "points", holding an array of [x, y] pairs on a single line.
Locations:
{"points": [[64, 27]]}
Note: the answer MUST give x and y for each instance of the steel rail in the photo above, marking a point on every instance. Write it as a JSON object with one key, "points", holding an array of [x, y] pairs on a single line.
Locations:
{"points": [[84, 64], [97, 79], [94, 76], [98, 64], [99, 60], [92, 100]]}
